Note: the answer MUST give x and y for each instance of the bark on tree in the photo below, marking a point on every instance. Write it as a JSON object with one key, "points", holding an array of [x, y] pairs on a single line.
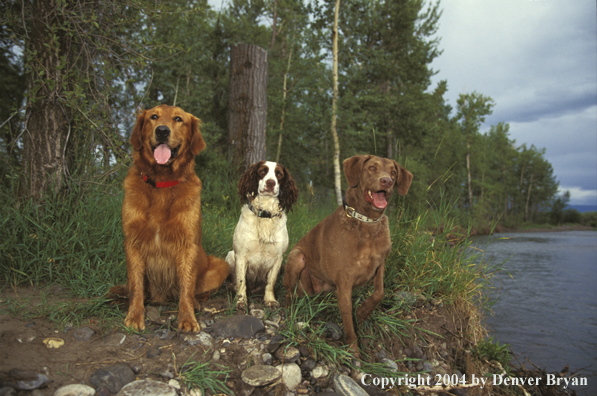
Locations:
{"points": [[247, 103], [47, 129], [337, 174]]}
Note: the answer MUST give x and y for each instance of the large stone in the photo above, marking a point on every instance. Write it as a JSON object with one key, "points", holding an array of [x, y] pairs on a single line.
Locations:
{"points": [[274, 343], [147, 387], [347, 387], [23, 380], [244, 326], [333, 331], [260, 375], [291, 375], [7, 391], [288, 354], [113, 378], [83, 333], [202, 338], [75, 390]]}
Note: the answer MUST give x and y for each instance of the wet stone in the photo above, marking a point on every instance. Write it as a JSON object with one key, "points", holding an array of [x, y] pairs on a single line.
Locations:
{"points": [[83, 333], [347, 387], [260, 375], [291, 375], [7, 391], [75, 390], [113, 378], [244, 326], [147, 387], [24, 380], [287, 354], [308, 365], [274, 343]]}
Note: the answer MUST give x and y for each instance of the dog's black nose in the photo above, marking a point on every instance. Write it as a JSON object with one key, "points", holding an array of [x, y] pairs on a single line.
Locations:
{"points": [[162, 132], [386, 182]]}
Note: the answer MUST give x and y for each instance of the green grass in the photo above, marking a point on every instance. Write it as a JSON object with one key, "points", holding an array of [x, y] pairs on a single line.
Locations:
{"points": [[202, 376]]}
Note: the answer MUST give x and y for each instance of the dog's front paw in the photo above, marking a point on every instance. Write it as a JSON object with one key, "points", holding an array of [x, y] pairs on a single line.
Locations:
{"points": [[188, 325], [271, 304], [134, 320]]}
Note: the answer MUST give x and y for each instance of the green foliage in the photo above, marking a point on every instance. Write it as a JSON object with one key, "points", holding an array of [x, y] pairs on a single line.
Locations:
{"points": [[572, 216], [203, 376], [490, 351], [589, 219]]}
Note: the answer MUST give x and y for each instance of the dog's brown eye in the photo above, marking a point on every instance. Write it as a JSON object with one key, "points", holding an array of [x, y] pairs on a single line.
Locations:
{"points": [[279, 175], [178, 119], [372, 168], [154, 117]]}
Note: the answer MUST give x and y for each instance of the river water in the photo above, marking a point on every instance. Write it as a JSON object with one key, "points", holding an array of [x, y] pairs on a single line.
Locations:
{"points": [[547, 306]]}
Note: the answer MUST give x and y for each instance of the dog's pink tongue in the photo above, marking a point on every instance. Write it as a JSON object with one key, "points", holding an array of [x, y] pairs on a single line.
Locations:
{"points": [[379, 199], [162, 154]]}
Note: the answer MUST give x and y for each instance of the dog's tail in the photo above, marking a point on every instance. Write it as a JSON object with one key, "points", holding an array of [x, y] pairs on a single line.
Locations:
{"points": [[216, 273]]}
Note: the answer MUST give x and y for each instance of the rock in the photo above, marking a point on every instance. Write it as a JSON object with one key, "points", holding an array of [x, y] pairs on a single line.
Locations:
{"points": [[83, 333], [244, 326], [195, 392], [174, 383], [260, 375], [291, 375], [305, 352], [167, 374], [328, 394], [308, 365], [36, 392], [274, 343], [347, 387], [113, 378], [53, 343], [372, 390], [147, 387], [7, 391], [287, 354], [427, 366], [333, 331], [152, 313], [216, 356], [390, 364], [23, 380], [436, 302], [75, 390], [320, 371], [202, 338], [153, 352], [267, 358], [27, 336]]}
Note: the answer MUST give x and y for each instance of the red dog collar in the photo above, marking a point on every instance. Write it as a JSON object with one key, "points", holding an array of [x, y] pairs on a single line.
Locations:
{"points": [[164, 184]]}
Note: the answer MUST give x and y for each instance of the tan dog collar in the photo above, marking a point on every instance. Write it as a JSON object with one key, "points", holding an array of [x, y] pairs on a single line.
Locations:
{"points": [[351, 212]]}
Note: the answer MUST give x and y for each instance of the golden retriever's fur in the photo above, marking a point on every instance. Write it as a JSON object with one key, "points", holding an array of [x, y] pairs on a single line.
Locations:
{"points": [[161, 219]]}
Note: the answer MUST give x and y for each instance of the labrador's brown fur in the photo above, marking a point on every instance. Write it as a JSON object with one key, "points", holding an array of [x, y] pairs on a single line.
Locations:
{"points": [[342, 252], [162, 223]]}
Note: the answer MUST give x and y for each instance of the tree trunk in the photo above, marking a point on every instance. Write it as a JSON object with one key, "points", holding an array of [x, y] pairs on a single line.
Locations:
{"points": [[337, 175], [284, 92], [470, 182], [526, 208], [47, 130], [247, 103]]}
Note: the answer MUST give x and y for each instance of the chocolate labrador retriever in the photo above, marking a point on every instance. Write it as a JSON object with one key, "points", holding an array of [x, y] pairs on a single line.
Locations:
{"points": [[349, 247]]}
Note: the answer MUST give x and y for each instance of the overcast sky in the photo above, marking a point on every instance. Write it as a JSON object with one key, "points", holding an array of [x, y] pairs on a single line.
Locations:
{"points": [[538, 61]]}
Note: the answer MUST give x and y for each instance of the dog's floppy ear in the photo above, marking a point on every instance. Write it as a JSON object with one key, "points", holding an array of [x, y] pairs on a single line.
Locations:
{"points": [[404, 180], [288, 191], [197, 142], [137, 135], [248, 184], [353, 167]]}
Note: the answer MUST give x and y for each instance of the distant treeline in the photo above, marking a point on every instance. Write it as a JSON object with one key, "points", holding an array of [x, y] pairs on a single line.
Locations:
{"points": [[76, 72]]}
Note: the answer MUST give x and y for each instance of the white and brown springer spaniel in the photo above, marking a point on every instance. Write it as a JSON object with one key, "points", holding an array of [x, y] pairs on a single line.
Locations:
{"points": [[260, 238]]}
